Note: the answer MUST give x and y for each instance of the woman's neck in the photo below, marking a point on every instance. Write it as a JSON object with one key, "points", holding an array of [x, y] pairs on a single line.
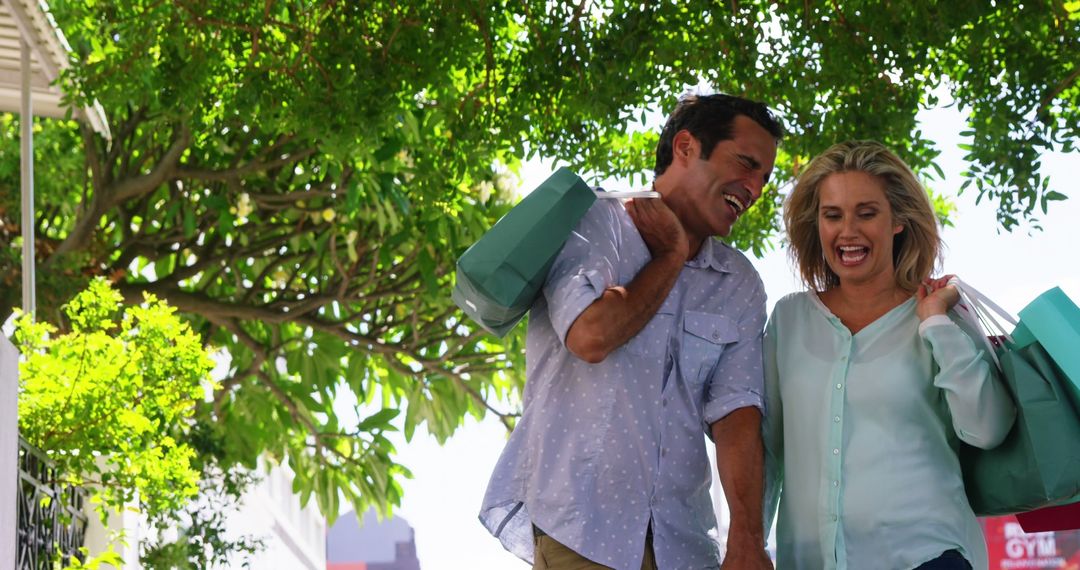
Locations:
{"points": [[870, 294], [859, 304]]}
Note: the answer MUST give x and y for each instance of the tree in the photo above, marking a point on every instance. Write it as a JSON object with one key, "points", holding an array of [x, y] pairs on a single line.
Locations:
{"points": [[109, 400], [299, 177]]}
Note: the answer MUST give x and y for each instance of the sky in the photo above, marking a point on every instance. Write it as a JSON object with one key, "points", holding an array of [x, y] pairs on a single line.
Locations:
{"points": [[443, 499]]}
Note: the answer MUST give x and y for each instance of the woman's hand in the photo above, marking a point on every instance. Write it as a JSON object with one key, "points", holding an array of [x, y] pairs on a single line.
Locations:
{"points": [[935, 297]]}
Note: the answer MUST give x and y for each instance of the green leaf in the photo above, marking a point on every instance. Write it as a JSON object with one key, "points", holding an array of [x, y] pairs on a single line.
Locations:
{"points": [[1054, 196], [378, 420]]}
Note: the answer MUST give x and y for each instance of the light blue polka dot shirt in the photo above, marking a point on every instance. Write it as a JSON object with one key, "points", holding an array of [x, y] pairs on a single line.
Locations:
{"points": [[603, 449]]}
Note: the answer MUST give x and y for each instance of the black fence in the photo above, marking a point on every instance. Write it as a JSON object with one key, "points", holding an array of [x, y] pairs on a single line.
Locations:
{"points": [[51, 520]]}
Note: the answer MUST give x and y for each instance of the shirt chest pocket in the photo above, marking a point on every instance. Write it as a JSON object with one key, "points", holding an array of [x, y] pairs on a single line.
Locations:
{"points": [[704, 337], [652, 342]]}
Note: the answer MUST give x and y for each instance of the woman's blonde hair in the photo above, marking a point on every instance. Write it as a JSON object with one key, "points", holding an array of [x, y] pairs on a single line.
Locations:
{"points": [[916, 249]]}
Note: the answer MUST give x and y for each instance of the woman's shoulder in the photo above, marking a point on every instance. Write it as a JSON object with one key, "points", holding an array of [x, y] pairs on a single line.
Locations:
{"points": [[794, 301], [792, 308]]}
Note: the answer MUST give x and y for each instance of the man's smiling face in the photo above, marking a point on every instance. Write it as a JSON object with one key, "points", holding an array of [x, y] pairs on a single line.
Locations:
{"points": [[713, 192]]}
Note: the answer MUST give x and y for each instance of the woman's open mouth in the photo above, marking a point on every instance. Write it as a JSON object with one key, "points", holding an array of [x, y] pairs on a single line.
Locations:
{"points": [[852, 254]]}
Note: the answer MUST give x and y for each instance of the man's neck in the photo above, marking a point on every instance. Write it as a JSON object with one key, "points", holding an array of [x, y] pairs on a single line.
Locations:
{"points": [[696, 244], [663, 186]]}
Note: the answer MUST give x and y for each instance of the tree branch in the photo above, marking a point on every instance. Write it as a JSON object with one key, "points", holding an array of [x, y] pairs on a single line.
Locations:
{"points": [[1044, 104], [241, 171], [140, 185]]}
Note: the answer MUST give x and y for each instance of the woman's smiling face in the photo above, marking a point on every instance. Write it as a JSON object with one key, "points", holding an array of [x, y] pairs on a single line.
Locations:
{"points": [[856, 227]]}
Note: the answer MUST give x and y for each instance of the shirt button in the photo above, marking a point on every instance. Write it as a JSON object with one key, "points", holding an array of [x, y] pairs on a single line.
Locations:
{"points": [[835, 451], [716, 335], [835, 483], [839, 386], [843, 358], [832, 518], [663, 402], [836, 419], [663, 452]]}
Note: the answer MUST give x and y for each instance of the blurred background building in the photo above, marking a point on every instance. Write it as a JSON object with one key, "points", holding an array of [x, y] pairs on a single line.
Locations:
{"points": [[371, 544]]}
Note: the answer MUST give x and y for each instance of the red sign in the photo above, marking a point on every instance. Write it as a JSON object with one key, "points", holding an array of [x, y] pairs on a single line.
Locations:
{"points": [[1010, 548]]}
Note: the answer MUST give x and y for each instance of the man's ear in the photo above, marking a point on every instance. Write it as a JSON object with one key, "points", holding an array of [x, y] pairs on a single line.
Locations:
{"points": [[685, 147]]}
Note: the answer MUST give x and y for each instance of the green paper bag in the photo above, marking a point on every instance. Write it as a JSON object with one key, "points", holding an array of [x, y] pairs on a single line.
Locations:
{"points": [[501, 274], [1038, 464], [1053, 320]]}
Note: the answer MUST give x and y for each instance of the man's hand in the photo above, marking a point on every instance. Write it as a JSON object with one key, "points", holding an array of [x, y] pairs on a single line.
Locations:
{"points": [[659, 227], [739, 461], [621, 312], [746, 559]]}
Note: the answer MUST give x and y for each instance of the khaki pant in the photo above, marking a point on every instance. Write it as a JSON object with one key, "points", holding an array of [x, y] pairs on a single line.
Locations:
{"points": [[551, 554]]}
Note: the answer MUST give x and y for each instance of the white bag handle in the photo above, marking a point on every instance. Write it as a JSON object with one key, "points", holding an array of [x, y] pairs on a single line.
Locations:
{"points": [[986, 307], [978, 311], [626, 194]]}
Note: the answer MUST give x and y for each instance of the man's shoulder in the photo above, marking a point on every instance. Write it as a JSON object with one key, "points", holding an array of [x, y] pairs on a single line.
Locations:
{"points": [[736, 261], [604, 213]]}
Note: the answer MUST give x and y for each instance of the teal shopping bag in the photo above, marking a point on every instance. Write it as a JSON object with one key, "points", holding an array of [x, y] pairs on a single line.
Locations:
{"points": [[501, 274], [1038, 464], [499, 277], [1053, 321]]}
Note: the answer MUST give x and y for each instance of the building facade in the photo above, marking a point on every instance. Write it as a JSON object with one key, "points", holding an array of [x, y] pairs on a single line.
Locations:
{"points": [[293, 536], [371, 544]]}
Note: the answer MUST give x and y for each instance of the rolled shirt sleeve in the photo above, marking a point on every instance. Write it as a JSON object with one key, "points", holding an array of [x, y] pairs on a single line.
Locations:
{"points": [[584, 268], [738, 380]]}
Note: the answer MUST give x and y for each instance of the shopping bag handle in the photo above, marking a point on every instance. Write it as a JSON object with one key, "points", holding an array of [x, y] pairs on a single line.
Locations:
{"points": [[979, 311], [626, 194], [986, 306]]}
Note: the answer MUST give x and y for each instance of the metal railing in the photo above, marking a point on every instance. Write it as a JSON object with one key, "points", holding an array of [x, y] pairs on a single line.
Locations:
{"points": [[51, 519]]}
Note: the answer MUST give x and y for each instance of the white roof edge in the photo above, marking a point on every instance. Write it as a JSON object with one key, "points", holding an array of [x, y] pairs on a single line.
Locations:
{"points": [[39, 30]]}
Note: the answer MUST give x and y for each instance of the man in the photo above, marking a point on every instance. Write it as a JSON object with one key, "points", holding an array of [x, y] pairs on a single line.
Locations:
{"points": [[648, 333]]}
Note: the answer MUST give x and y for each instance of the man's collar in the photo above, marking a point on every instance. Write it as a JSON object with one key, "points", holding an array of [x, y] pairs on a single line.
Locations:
{"points": [[712, 254]]}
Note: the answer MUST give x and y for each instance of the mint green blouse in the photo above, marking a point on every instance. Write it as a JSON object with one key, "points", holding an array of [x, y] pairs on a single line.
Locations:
{"points": [[862, 431]]}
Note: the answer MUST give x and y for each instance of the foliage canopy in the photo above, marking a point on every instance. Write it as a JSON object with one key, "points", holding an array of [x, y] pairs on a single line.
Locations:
{"points": [[109, 400], [299, 177]]}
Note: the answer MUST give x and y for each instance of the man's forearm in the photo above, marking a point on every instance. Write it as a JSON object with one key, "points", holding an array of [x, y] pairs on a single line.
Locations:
{"points": [[621, 312], [739, 462]]}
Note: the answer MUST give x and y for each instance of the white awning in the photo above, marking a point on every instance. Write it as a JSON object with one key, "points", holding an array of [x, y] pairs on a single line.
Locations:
{"points": [[29, 20], [32, 54]]}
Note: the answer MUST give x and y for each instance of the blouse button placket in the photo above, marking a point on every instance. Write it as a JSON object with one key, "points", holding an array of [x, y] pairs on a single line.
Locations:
{"points": [[834, 459]]}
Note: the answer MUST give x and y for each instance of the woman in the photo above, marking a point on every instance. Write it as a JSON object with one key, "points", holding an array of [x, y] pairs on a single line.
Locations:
{"points": [[870, 385]]}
